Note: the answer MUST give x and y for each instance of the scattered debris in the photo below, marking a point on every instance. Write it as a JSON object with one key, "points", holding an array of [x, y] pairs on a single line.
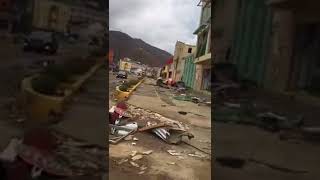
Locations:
{"points": [[128, 138], [149, 127], [143, 167], [134, 164], [122, 161], [147, 152], [182, 112], [196, 154], [174, 153], [10, 153], [171, 163], [135, 139], [136, 157], [134, 143], [141, 172], [133, 153]]}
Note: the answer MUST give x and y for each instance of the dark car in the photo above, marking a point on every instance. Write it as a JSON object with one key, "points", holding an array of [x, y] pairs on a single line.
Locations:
{"points": [[122, 74], [41, 41]]}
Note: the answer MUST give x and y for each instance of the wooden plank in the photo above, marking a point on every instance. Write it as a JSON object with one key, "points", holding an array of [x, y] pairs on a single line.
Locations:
{"points": [[152, 127]]}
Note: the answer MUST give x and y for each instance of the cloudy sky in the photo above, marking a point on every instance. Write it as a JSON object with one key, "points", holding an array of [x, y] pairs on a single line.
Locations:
{"points": [[158, 22]]}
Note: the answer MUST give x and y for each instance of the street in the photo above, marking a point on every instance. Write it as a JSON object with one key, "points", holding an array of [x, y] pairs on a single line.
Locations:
{"points": [[160, 164]]}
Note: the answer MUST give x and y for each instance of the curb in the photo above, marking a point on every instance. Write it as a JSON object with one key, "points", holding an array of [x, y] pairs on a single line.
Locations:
{"points": [[39, 106], [122, 95]]}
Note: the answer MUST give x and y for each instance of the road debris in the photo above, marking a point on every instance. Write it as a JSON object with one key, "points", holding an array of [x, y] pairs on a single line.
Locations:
{"points": [[171, 163], [128, 138], [196, 154], [10, 153], [135, 139], [143, 167], [141, 172], [137, 157], [174, 153], [122, 161], [134, 143], [133, 153], [147, 152], [134, 164]]}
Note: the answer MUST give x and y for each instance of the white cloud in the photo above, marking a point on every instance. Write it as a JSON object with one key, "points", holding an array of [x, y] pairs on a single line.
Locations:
{"points": [[158, 22]]}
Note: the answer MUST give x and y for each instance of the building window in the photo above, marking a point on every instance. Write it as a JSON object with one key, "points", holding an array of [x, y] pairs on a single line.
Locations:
{"points": [[189, 50]]}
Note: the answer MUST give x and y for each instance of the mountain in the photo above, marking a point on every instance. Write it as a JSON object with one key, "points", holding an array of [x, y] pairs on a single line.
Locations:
{"points": [[136, 49]]}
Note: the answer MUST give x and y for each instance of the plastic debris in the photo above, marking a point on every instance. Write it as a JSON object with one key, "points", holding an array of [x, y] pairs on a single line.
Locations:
{"points": [[135, 139], [136, 157], [134, 164], [174, 153], [143, 167], [122, 161], [134, 143], [171, 163], [133, 153], [147, 152]]}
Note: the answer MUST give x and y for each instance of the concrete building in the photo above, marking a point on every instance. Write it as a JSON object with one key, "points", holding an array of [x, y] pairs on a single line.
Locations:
{"points": [[181, 51], [203, 53], [167, 70], [274, 43], [294, 59], [51, 15], [224, 24]]}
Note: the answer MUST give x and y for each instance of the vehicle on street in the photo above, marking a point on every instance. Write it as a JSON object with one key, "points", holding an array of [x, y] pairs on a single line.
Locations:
{"points": [[122, 74], [41, 41]]}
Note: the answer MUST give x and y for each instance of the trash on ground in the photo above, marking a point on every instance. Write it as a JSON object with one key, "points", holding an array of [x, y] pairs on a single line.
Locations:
{"points": [[122, 161], [134, 143], [154, 126], [141, 172], [128, 138], [133, 153], [10, 153], [118, 133], [143, 167], [174, 153], [171, 163], [196, 154], [147, 152], [182, 112], [134, 164], [136, 157], [135, 139]]}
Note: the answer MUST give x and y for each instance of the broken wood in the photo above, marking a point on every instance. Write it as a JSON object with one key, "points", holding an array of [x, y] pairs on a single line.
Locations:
{"points": [[152, 127]]}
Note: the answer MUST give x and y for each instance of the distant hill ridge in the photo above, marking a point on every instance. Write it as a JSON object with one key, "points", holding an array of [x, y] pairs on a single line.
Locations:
{"points": [[136, 49]]}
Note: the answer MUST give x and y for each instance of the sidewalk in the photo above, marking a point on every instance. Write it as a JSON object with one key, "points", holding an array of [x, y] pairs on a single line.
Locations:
{"points": [[87, 117]]}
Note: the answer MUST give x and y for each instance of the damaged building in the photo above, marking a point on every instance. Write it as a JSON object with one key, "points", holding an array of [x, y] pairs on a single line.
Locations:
{"points": [[272, 43]]}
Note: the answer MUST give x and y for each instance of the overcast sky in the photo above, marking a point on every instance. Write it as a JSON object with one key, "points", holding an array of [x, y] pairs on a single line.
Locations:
{"points": [[158, 22]]}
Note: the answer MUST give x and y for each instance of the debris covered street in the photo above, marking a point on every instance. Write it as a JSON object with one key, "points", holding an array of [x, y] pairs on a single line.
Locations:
{"points": [[145, 155]]}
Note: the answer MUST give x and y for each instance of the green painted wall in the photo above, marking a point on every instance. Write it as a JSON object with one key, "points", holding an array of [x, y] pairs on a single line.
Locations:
{"points": [[251, 34], [189, 71]]}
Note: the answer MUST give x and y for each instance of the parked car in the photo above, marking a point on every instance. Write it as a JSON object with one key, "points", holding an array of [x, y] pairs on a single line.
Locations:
{"points": [[41, 41], [122, 74]]}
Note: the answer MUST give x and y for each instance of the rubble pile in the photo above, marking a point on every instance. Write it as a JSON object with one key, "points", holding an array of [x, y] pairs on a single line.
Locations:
{"points": [[50, 153]]}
